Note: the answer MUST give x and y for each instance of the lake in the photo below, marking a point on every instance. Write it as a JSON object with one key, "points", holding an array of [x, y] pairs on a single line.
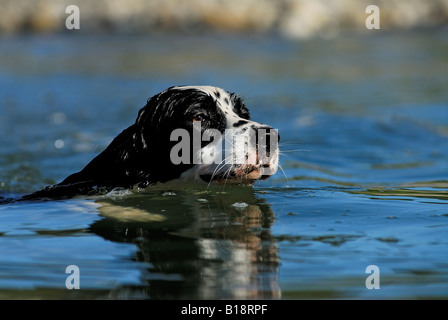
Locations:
{"points": [[363, 120]]}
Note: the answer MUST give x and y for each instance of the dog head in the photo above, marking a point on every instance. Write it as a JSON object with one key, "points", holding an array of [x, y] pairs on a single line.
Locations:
{"points": [[198, 133], [205, 133]]}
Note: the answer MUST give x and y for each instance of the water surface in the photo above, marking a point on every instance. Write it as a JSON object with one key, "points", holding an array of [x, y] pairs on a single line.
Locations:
{"points": [[364, 179]]}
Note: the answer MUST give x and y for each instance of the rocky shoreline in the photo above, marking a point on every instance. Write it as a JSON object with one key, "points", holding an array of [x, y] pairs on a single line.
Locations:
{"points": [[290, 18]]}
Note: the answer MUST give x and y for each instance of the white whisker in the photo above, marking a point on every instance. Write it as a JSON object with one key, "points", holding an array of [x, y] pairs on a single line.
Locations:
{"points": [[283, 171], [220, 165]]}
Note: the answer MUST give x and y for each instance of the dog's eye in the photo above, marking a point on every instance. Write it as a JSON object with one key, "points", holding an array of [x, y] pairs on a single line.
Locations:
{"points": [[199, 118]]}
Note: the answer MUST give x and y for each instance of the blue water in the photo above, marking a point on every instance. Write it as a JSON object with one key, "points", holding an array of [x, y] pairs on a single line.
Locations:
{"points": [[363, 120]]}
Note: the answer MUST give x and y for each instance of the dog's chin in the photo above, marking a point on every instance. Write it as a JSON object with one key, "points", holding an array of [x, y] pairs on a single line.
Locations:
{"points": [[243, 175]]}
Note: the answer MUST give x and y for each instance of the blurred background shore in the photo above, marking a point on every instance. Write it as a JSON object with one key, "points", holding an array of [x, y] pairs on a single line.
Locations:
{"points": [[290, 18]]}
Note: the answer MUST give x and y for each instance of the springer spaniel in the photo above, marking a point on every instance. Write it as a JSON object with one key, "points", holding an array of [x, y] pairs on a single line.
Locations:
{"points": [[198, 133]]}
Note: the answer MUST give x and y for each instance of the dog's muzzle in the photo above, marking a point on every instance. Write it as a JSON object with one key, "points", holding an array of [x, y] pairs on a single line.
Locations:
{"points": [[248, 154]]}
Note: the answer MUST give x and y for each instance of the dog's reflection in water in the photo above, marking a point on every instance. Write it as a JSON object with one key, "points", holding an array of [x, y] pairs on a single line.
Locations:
{"points": [[199, 245]]}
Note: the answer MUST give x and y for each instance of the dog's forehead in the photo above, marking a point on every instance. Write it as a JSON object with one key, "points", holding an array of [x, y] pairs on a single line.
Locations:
{"points": [[210, 90], [222, 98]]}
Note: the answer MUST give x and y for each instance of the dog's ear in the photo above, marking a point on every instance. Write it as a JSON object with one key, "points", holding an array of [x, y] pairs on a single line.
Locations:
{"points": [[142, 116], [149, 117]]}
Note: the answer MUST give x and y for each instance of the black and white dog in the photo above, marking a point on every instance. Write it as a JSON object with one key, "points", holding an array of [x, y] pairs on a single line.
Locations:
{"points": [[184, 132]]}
